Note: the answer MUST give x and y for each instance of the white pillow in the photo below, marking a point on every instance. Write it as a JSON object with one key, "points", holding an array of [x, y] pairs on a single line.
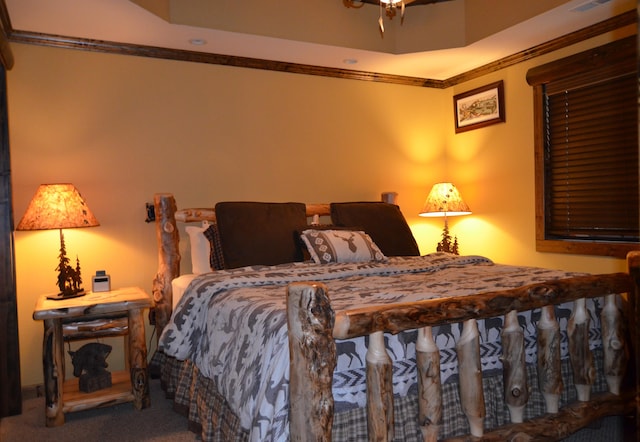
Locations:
{"points": [[340, 246], [200, 248]]}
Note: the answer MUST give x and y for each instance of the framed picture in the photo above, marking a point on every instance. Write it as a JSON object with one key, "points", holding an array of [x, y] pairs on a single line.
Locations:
{"points": [[479, 107]]}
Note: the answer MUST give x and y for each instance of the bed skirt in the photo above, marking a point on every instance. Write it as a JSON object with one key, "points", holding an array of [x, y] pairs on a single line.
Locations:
{"points": [[209, 415]]}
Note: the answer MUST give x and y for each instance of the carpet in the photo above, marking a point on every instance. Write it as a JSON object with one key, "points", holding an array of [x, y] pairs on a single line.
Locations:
{"points": [[120, 423], [159, 423]]}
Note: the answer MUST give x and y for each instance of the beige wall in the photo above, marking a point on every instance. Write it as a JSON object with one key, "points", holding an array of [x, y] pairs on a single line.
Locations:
{"points": [[122, 128]]}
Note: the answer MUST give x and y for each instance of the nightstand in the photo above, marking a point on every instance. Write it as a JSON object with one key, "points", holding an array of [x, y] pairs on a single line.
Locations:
{"points": [[101, 314]]}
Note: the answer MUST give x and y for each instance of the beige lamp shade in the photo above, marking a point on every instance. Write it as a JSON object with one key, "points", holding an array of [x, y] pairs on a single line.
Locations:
{"points": [[57, 206], [444, 200]]}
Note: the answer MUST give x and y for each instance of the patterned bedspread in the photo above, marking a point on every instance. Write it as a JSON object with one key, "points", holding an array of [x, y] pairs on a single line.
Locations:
{"points": [[233, 325]]}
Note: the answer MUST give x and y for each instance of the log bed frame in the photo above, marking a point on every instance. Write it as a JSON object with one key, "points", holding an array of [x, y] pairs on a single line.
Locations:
{"points": [[313, 327]]}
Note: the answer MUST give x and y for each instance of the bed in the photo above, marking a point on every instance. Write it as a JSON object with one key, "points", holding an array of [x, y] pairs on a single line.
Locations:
{"points": [[347, 333]]}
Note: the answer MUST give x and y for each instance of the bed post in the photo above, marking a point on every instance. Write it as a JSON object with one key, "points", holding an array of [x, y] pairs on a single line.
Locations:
{"points": [[380, 417], [633, 266], [168, 258], [614, 343], [549, 370], [312, 352], [516, 387], [429, 385], [471, 393], [584, 371]]}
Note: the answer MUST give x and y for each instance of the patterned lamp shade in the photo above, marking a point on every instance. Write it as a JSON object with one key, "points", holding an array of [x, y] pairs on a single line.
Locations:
{"points": [[57, 206], [444, 200], [60, 206]]}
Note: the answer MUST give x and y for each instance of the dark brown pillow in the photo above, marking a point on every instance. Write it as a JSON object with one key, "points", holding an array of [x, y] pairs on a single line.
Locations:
{"points": [[254, 233], [384, 223]]}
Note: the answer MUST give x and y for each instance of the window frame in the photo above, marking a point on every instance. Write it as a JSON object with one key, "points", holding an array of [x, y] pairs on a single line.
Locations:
{"points": [[613, 59]]}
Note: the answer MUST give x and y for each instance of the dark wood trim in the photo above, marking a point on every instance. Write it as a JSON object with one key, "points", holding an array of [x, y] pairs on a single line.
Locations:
{"points": [[10, 393], [108, 47], [586, 248], [6, 56], [65, 42], [617, 22], [616, 56]]}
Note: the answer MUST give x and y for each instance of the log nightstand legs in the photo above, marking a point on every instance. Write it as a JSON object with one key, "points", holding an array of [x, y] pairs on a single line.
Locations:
{"points": [[120, 313], [53, 364], [138, 360]]}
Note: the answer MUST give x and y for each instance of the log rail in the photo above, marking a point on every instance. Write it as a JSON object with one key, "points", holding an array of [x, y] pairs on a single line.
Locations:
{"points": [[394, 318], [305, 298]]}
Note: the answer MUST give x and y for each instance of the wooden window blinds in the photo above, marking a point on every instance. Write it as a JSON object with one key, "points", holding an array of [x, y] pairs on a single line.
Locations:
{"points": [[586, 128]]}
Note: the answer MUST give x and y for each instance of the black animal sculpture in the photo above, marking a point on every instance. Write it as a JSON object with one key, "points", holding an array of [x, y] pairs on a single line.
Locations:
{"points": [[90, 359]]}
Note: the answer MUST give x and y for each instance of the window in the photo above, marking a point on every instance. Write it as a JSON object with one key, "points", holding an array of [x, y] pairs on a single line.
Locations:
{"points": [[586, 152]]}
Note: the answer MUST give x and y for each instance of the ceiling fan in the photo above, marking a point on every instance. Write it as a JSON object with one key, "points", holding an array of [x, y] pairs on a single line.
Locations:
{"points": [[407, 2], [390, 7]]}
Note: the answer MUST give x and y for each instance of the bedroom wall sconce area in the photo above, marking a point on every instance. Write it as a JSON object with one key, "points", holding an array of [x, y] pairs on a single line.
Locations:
{"points": [[445, 200]]}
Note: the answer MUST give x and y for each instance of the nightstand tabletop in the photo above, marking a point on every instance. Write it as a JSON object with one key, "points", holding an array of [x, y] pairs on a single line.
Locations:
{"points": [[117, 300]]}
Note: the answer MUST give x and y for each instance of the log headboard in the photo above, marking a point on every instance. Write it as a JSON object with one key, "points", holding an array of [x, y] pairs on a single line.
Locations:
{"points": [[209, 214]]}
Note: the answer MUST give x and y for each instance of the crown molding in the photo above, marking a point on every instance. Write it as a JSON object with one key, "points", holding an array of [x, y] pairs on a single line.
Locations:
{"points": [[65, 42]]}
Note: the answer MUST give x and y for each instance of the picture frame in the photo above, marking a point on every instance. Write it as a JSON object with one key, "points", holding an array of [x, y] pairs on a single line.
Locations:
{"points": [[479, 107]]}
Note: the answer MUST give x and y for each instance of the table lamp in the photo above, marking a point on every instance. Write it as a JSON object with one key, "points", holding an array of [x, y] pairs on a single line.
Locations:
{"points": [[445, 200], [60, 206]]}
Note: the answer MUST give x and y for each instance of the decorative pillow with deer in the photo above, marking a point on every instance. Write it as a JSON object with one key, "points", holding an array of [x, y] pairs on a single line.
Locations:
{"points": [[327, 246]]}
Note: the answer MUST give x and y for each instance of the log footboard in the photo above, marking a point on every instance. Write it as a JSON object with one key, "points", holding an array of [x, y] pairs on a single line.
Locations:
{"points": [[516, 389], [468, 349], [429, 385], [313, 359], [311, 369]]}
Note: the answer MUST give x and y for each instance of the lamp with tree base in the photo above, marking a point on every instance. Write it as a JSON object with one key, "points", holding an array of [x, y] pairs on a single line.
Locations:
{"points": [[60, 206], [445, 200]]}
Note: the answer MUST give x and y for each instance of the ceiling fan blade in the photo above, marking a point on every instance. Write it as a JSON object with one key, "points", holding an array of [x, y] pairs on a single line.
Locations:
{"points": [[352, 4]]}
